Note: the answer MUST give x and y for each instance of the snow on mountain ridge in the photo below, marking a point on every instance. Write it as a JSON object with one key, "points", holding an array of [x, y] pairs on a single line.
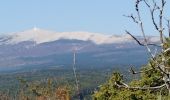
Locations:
{"points": [[41, 36]]}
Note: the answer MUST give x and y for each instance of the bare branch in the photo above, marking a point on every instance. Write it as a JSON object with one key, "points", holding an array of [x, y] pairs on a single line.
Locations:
{"points": [[142, 28], [153, 67], [166, 50], [143, 33], [155, 52], [152, 10], [137, 5], [160, 20], [152, 56], [75, 73], [124, 85], [140, 42], [159, 65], [153, 18], [168, 26], [147, 4], [132, 17], [134, 72]]}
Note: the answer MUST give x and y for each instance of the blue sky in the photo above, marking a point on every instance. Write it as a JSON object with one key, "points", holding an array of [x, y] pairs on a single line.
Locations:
{"points": [[102, 16]]}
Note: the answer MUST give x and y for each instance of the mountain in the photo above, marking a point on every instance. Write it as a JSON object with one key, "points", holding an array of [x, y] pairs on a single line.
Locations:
{"points": [[38, 48], [41, 36]]}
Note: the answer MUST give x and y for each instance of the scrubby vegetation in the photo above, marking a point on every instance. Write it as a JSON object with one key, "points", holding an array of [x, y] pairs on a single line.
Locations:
{"points": [[43, 84]]}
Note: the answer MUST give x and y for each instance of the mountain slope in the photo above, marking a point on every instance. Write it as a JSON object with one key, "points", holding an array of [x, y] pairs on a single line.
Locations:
{"points": [[37, 48]]}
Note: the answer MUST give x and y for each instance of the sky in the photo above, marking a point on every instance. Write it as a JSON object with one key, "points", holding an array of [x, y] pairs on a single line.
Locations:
{"points": [[100, 16]]}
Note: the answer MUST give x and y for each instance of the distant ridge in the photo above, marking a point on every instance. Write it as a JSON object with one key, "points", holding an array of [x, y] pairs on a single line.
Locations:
{"points": [[40, 36], [42, 48]]}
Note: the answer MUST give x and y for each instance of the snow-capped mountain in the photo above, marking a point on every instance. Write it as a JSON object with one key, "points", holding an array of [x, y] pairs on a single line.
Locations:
{"points": [[41, 36], [41, 48]]}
